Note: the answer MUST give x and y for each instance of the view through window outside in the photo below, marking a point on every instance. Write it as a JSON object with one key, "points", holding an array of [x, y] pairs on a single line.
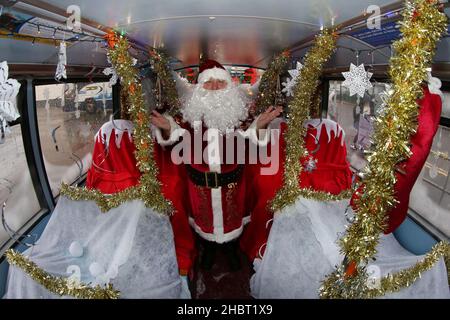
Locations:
{"points": [[16, 186], [69, 116], [430, 197]]}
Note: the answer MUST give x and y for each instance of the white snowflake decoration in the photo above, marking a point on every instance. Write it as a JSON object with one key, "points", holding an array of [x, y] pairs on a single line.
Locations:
{"points": [[434, 84], [357, 80], [9, 88], [114, 77], [62, 62], [113, 73], [289, 85]]}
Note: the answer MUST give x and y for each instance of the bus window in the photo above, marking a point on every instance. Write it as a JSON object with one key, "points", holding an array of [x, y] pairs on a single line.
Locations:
{"points": [[16, 186], [69, 116], [355, 120], [430, 197]]}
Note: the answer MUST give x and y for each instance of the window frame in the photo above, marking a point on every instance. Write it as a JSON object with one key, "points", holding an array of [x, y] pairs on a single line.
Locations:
{"points": [[32, 147]]}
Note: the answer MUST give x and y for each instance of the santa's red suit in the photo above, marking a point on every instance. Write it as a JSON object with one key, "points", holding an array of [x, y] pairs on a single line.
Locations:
{"points": [[325, 169], [214, 185]]}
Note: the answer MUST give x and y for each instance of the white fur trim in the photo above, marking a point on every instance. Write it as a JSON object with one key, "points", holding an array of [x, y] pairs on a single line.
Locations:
{"points": [[330, 126], [214, 160], [216, 202], [434, 85], [214, 166], [215, 73], [175, 132], [119, 127], [222, 237]]}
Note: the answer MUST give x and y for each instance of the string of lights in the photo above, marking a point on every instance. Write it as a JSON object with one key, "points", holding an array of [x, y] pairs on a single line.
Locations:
{"points": [[73, 36], [34, 39], [55, 29]]}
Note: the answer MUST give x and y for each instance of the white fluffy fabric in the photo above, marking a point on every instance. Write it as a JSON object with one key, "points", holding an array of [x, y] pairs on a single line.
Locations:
{"points": [[302, 250], [130, 246], [218, 109]]}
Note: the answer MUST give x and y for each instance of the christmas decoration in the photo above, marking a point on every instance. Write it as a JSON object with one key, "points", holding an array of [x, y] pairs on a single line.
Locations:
{"points": [[311, 164], [422, 27], [434, 84], [76, 249], [308, 193], [110, 71], [353, 285], [268, 88], [149, 189], [62, 62], [300, 109], [9, 88], [290, 83], [58, 285], [357, 80], [160, 64]]}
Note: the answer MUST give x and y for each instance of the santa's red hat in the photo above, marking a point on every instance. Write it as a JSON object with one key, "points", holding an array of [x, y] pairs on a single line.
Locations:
{"points": [[212, 69]]}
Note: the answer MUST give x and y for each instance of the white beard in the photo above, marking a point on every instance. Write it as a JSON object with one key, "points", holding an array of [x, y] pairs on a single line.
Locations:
{"points": [[223, 110]]}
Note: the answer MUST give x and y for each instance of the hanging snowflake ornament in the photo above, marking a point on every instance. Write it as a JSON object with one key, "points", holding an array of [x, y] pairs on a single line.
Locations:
{"points": [[62, 62], [357, 80], [9, 88], [111, 72], [290, 83], [434, 84]]}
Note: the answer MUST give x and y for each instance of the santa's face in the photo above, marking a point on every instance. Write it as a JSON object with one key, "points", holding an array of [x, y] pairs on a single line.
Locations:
{"points": [[216, 103], [215, 84]]}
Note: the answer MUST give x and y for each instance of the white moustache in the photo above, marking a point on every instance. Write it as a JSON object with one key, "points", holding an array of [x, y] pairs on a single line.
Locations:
{"points": [[223, 110]]}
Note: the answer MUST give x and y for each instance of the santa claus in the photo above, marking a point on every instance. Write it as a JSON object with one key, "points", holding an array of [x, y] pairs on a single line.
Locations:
{"points": [[215, 204]]}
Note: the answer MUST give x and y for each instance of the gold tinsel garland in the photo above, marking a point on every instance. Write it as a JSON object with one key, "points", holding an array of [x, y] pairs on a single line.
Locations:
{"points": [[308, 193], [300, 107], [149, 189], [422, 27], [160, 63], [104, 202], [59, 285], [338, 286], [269, 81]]}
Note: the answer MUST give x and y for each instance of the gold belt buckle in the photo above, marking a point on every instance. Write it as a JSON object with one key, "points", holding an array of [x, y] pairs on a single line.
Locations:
{"points": [[216, 180]]}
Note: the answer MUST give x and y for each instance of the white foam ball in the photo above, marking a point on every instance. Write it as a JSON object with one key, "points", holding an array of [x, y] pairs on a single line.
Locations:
{"points": [[96, 269], [113, 271], [76, 249]]}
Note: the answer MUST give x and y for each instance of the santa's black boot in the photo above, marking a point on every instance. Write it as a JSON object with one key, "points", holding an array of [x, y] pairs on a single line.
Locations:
{"points": [[208, 256], [231, 251]]}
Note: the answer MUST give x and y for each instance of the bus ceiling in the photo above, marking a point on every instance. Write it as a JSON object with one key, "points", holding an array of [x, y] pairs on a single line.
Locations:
{"points": [[230, 31]]}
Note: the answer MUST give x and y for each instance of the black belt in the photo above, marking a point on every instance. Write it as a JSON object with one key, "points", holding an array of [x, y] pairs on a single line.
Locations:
{"points": [[214, 179]]}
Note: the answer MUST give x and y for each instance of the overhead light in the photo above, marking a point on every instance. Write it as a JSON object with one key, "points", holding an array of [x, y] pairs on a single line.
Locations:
{"points": [[212, 18]]}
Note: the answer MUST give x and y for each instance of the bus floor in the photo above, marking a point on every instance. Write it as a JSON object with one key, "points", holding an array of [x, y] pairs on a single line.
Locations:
{"points": [[220, 282]]}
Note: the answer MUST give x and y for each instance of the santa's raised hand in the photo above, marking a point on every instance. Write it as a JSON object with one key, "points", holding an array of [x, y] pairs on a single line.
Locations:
{"points": [[161, 122], [270, 114]]}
